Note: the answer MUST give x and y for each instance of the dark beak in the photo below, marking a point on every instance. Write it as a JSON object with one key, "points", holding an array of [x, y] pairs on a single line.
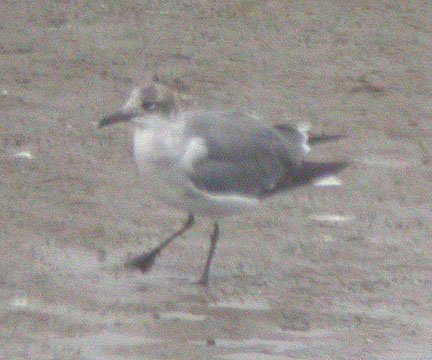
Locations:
{"points": [[118, 116]]}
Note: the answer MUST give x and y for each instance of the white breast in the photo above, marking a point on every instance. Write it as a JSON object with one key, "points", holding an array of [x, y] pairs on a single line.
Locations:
{"points": [[156, 158]]}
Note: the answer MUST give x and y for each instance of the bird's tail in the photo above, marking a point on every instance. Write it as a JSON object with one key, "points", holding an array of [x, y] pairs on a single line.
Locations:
{"points": [[302, 134]]}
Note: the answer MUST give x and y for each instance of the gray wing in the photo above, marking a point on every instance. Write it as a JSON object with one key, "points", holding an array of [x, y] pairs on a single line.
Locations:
{"points": [[244, 155]]}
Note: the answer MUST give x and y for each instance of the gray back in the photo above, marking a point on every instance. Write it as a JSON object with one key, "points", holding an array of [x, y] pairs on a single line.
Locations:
{"points": [[245, 156]]}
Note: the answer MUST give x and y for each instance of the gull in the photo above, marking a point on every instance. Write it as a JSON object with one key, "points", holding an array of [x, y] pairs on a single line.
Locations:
{"points": [[211, 163]]}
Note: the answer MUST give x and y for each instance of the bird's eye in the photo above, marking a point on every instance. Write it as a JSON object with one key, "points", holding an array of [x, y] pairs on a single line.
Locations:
{"points": [[149, 105]]}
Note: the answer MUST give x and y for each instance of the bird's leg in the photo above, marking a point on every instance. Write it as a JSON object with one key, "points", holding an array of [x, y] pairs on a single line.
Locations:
{"points": [[146, 260], [213, 240]]}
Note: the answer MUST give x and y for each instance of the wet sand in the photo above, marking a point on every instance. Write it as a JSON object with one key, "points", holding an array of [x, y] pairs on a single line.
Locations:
{"points": [[335, 272]]}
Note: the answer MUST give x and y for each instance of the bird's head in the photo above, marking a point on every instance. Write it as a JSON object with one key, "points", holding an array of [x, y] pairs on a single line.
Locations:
{"points": [[154, 97]]}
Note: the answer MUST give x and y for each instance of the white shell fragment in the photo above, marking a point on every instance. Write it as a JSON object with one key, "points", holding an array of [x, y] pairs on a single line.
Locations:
{"points": [[330, 218], [24, 155], [328, 181]]}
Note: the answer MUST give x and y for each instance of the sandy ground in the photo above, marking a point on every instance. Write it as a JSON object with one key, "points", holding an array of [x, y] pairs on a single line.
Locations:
{"points": [[289, 281]]}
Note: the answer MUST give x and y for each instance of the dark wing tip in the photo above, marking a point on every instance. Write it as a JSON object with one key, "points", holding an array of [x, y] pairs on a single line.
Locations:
{"points": [[323, 138], [310, 171], [306, 173]]}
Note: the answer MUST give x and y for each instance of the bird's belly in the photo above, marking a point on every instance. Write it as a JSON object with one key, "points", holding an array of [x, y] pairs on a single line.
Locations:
{"points": [[169, 185], [165, 179], [161, 182]]}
